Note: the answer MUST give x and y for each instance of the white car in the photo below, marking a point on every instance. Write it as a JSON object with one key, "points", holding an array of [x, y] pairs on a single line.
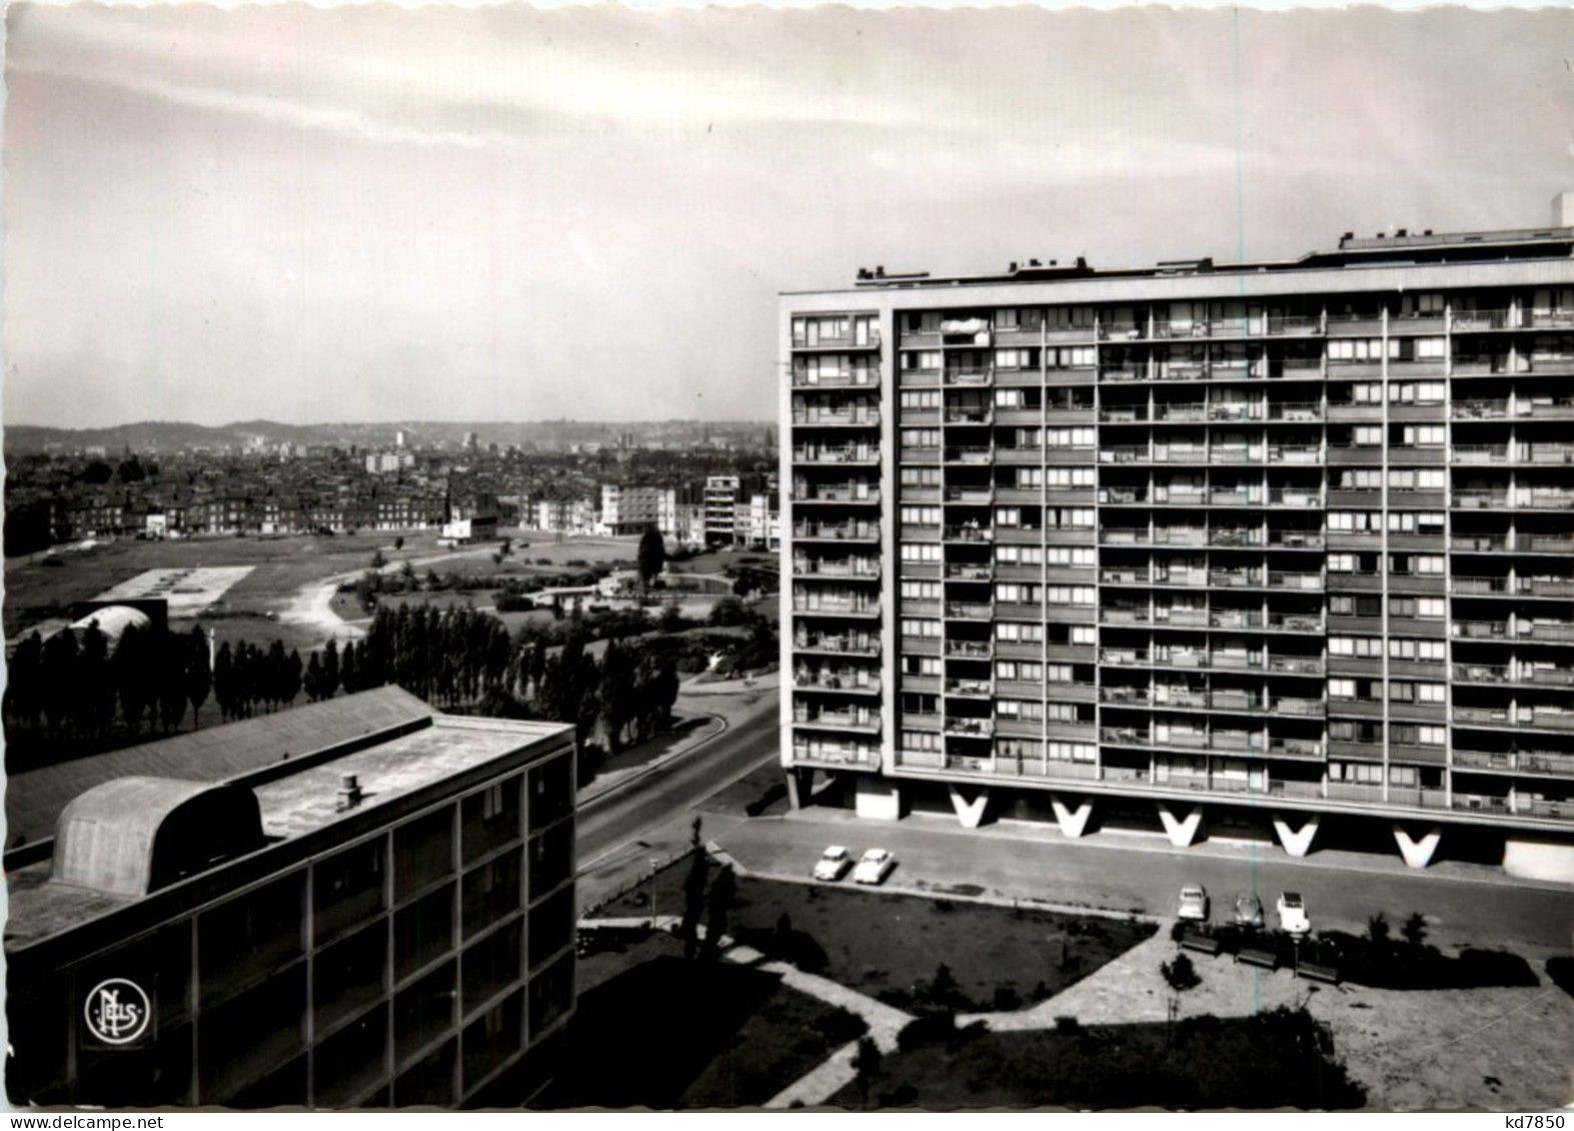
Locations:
{"points": [[833, 863], [874, 867], [1193, 903], [1292, 914]]}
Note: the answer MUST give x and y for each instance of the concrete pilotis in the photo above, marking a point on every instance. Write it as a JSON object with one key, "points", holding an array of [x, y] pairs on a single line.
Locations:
{"points": [[1296, 841], [1182, 831], [1417, 851], [1073, 822]]}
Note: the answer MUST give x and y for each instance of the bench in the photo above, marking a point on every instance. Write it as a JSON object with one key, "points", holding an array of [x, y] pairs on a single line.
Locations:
{"points": [[1202, 943], [1267, 959], [1318, 973]]}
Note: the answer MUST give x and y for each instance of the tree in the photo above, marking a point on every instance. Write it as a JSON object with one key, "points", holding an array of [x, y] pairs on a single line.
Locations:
{"points": [[95, 709], [275, 674], [330, 670], [173, 657], [59, 678], [616, 694], [727, 612], [694, 893], [199, 673], [224, 682], [1180, 974], [135, 663], [652, 556], [131, 470], [350, 671], [312, 680], [1414, 929], [866, 1063], [1377, 928], [24, 679], [399, 542], [96, 473], [378, 561], [290, 678], [719, 903]]}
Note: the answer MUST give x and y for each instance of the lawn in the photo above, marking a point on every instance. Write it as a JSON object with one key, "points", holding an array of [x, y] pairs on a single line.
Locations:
{"points": [[890, 946], [1281, 1058], [653, 1029], [36, 591]]}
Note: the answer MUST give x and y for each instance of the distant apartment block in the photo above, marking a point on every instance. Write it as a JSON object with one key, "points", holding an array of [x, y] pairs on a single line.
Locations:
{"points": [[565, 516], [389, 463], [356, 903], [633, 509], [1282, 545]]}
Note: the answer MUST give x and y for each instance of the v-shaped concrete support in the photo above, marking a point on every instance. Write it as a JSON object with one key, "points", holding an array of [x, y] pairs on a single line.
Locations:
{"points": [[1297, 842], [1181, 830], [1073, 822], [970, 813], [1417, 851]]}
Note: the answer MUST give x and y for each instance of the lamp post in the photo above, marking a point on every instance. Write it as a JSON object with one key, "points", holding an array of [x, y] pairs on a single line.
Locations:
{"points": [[654, 864]]}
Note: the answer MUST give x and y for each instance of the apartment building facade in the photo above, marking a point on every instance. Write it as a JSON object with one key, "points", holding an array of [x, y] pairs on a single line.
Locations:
{"points": [[361, 902], [631, 509], [1287, 542]]}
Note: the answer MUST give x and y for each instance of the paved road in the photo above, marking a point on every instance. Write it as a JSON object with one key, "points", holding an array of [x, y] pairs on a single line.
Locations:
{"points": [[621, 832], [1144, 875]]}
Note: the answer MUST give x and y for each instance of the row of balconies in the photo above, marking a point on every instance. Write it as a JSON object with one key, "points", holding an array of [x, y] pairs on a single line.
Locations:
{"points": [[1231, 454], [828, 604], [1513, 542], [1194, 495], [862, 644], [1218, 537], [1532, 673], [1515, 628], [1512, 585], [1244, 577], [854, 417], [1230, 412], [1166, 697], [1513, 498], [860, 719], [1512, 407], [862, 454], [1190, 616], [850, 531], [1530, 715], [1192, 659], [852, 492], [847, 681], [860, 568]]}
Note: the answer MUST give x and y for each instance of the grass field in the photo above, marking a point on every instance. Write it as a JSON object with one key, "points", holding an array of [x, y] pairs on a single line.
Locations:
{"points": [[847, 935], [655, 1030]]}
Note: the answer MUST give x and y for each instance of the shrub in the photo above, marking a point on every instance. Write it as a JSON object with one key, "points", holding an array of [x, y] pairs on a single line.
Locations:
{"points": [[927, 1029], [1007, 999], [1069, 1026], [1180, 974]]}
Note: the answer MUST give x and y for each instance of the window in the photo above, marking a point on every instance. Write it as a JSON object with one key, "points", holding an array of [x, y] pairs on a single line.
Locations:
{"points": [[1019, 670], [1421, 435], [1069, 476], [1016, 359], [1359, 349], [1069, 518], [1366, 393], [920, 359], [920, 516], [920, 665], [1018, 632], [920, 477], [1019, 748], [1431, 693], [1341, 689], [1431, 564], [1084, 634], [920, 740], [920, 437], [1008, 516], [913, 704], [920, 398], [1072, 357], [1430, 349], [1367, 436], [921, 628], [1431, 736], [1430, 608], [1343, 563], [1416, 479], [920, 591], [1029, 710], [921, 552], [1019, 555], [1072, 751], [1401, 691], [1360, 479], [1069, 594], [1070, 437], [1360, 646], [1015, 593], [1010, 398]]}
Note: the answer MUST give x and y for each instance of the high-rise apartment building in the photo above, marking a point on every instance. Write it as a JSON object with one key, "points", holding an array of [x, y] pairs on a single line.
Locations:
{"points": [[1284, 544], [631, 509]]}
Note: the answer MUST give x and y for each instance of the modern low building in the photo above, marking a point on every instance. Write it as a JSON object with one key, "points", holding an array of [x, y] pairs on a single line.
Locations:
{"points": [[632, 509], [355, 903], [1284, 545]]}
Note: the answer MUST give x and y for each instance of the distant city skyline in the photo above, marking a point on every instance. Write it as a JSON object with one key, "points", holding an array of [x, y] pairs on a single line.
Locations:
{"points": [[367, 214]]}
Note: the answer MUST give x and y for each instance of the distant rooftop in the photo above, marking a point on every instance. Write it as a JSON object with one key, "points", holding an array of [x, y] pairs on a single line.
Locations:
{"points": [[1399, 247], [392, 744]]}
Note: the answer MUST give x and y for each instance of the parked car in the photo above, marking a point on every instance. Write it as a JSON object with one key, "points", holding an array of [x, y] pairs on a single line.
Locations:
{"points": [[833, 863], [1248, 910], [1292, 914], [1194, 903], [874, 867]]}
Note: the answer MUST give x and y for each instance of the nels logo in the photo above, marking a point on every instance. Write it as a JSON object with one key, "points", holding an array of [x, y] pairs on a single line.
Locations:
{"points": [[117, 1012]]}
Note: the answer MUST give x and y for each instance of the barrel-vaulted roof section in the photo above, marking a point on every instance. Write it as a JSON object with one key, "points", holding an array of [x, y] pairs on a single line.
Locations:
{"points": [[35, 799]]}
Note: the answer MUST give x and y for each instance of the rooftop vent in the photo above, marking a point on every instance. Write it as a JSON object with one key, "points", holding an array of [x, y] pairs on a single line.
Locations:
{"points": [[349, 791]]}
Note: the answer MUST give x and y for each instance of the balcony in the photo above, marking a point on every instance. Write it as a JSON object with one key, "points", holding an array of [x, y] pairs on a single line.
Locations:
{"points": [[846, 682], [864, 569], [970, 375], [1480, 499], [1296, 665], [1528, 763], [969, 416], [969, 688], [969, 728], [1123, 615], [969, 649], [1480, 586], [860, 720], [836, 532], [861, 379], [1479, 410], [1232, 578], [849, 454], [1296, 412], [838, 645], [1294, 453], [830, 607], [835, 753], [968, 534], [974, 454], [1124, 535], [1125, 695], [1291, 622], [981, 496], [1481, 630], [842, 418], [1123, 414], [827, 493], [959, 610], [1558, 631], [1278, 579]]}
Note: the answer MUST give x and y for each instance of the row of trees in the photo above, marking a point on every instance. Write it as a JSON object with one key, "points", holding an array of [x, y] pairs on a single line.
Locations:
{"points": [[84, 687]]}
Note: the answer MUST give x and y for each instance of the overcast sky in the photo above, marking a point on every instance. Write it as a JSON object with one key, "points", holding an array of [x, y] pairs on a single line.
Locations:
{"points": [[377, 214]]}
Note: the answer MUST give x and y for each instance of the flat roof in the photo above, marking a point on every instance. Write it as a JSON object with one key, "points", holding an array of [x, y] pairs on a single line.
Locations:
{"points": [[302, 800], [1424, 248], [34, 798]]}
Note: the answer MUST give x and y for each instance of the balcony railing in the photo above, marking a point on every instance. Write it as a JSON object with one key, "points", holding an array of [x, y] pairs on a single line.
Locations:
{"points": [[836, 455], [958, 610], [969, 649], [836, 416], [969, 376], [968, 534], [972, 688], [969, 727], [838, 532], [837, 567], [837, 681], [849, 645]]}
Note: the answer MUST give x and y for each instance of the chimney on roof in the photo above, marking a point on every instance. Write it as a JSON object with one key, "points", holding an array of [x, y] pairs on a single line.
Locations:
{"points": [[349, 791], [1401, 233], [1563, 210]]}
